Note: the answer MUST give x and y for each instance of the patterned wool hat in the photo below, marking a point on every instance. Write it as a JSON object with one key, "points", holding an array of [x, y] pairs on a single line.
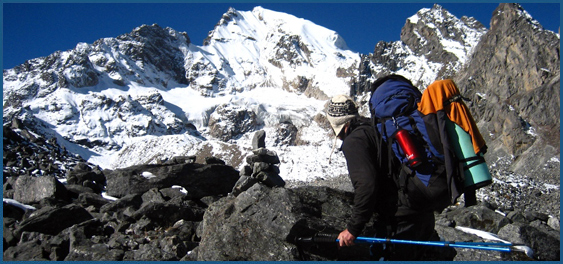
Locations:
{"points": [[341, 109]]}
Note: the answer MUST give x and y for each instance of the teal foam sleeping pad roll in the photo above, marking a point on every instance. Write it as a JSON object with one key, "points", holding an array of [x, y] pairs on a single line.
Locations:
{"points": [[477, 175]]}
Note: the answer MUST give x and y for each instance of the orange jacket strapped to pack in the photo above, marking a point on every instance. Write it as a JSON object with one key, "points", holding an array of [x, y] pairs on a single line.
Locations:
{"points": [[439, 94]]}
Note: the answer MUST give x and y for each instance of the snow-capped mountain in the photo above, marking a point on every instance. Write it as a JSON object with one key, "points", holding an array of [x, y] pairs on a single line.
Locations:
{"points": [[263, 48], [152, 94]]}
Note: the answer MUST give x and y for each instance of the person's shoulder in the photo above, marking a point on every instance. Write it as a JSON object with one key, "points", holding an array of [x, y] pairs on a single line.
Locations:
{"points": [[365, 128], [358, 136]]}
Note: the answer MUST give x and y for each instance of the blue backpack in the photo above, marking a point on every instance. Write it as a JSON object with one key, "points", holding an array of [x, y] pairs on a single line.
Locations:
{"points": [[422, 170]]}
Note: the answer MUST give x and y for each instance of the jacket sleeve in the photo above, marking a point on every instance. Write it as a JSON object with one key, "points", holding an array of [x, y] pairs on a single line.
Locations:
{"points": [[359, 154]]}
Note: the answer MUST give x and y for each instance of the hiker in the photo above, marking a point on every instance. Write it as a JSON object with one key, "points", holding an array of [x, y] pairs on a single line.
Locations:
{"points": [[374, 190]]}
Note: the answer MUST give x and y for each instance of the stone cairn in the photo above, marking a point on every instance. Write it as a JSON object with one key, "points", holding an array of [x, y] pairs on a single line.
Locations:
{"points": [[262, 167]]}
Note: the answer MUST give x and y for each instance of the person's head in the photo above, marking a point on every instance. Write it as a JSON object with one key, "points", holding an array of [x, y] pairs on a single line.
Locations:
{"points": [[341, 110]]}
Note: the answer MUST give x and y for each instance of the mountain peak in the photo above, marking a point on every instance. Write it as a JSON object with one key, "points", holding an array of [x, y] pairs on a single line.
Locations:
{"points": [[512, 15], [441, 38], [262, 48]]}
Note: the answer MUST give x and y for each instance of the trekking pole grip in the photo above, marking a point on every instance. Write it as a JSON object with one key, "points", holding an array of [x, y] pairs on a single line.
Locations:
{"points": [[325, 238]]}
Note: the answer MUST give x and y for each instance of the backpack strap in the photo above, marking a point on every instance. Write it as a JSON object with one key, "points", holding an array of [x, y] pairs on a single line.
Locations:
{"points": [[378, 139], [457, 97], [479, 159]]}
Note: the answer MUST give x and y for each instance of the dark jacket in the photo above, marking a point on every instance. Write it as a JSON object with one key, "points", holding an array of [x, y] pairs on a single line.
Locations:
{"points": [[374, 189]]}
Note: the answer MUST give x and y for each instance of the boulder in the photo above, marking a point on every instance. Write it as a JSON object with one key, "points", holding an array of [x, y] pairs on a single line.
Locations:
{"points": [[29, 190], [86, 199], [214, 160], [259, 139], [166, 214], [74, 190], [131, 200], [479, 217], [83, 174], [81, 239], [25, 251], [262, 224], [49, 220], [198, 179]]}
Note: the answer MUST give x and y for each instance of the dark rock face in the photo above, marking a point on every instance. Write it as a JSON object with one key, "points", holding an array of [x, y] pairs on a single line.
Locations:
{"points": [[512, 80], [529, 59], [198, 179], [49, 220], [262, 224], [424, 35], [231, 241], [153, 45]]}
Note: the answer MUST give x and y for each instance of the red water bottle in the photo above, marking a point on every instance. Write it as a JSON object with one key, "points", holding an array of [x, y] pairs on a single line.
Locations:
{"points": [[409, 147]]}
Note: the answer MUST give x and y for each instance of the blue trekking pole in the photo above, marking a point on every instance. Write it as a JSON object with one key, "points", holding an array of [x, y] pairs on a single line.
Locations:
{"points": [[503, 247]]}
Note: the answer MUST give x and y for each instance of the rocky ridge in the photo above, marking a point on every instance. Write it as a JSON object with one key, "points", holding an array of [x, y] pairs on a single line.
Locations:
{"points": [[517, 107], [514, 106]]}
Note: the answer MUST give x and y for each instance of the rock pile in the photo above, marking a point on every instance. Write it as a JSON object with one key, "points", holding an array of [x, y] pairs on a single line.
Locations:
{"points": [[262, 166]]}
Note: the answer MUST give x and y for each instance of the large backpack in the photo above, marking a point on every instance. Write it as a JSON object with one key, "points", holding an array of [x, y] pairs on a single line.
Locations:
{"points": [[429, 179]]}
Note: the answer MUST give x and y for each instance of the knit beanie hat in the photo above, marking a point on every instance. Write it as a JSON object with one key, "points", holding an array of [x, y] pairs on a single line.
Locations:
{"points": [[341, 109]]}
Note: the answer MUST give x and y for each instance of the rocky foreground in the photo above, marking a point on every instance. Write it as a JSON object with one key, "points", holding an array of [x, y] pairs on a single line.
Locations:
{"points": [[182, 210]]}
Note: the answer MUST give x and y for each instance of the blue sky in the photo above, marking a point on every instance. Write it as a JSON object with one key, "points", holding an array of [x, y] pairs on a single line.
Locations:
{"points": [[32, 30]]}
